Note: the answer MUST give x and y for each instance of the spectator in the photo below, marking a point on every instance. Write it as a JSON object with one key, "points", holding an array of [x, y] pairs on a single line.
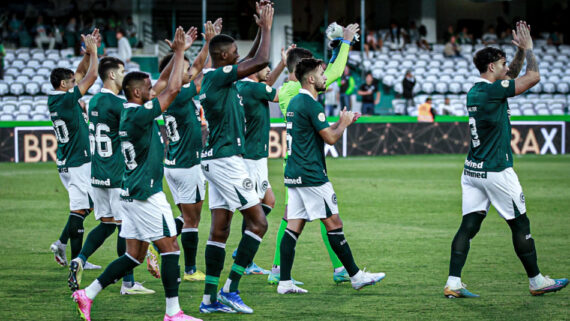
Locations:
{"points": [[71, 33], [448, 34], [372, 42], [125, 51], [555, 38], [464, 37], [370, 95], [331, 99], [490, 37], [422, 43], [42, 34], [426, 113], [55, 32], [408, 85], [132, 32], [445, 108], [101, 50], [346, 89], [452, 49], [14, 28], [507, 36], [413, 33], [394, 38], [2, 54]]}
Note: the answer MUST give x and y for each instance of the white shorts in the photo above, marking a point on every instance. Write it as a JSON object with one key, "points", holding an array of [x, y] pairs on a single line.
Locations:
{"points": [[187, 185], [502, 189], [230, 186], [258, 172], [107, 203], [77, 181], [148, 220], [312, 202]]}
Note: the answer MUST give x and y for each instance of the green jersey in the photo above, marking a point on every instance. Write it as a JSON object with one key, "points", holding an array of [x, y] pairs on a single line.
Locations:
{"points": [[489, 122], [143, 150], [306, 164], [256, 97], [184, 130], [224, 112], [70, 126], [107, 162]]}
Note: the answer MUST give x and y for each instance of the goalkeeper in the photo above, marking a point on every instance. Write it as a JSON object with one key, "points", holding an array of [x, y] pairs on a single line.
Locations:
{"points": [[341, 40]]}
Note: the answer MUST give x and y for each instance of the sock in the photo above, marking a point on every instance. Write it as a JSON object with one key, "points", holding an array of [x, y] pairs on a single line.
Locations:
{"points": [[246, 250], [117, 269], [93, 289], [172, 306], [95, 239], [266, 209], [75, 231], [189, 238], [453, 282], [179, 223], [537, 281], [470, 225], [334, 259], [215, 256], [287, 246], [170, 271], [129, 278], [524, 244], [64, 236], [342, 250], [280, 233]]}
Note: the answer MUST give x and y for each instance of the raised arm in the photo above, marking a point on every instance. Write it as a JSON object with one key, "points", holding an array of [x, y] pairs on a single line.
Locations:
{"points": [[84, 64], [91, 74], [334, 70], [261, 58], [175, 81], [532, 75], [274, 74], [333, 133], [515, 66], [258, 9]]}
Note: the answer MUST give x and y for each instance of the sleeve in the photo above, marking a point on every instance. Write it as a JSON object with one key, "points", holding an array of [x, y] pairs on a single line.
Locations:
{"points": [[72, 97], [334, 70], [146, 113], [263, 92], [502, 89], [317, 117], [225, 75], [351, 86]]}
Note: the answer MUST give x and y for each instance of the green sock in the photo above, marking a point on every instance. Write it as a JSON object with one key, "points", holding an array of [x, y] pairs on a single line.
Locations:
{"points": [[179, 221], [215, 256], [96, 238], [170, 271], [129, 278], [246, 250], [64, 236], [334, 258], [280, 232], [75, 231], [117, 269], [287, 246], [189, 238], [340, 246]]}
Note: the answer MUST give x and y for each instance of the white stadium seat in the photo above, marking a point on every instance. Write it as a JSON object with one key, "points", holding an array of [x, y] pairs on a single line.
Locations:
{"points": [[428, 87], [441, 87], [4, 88], [32, 88], [46, 88], [16, 88]]}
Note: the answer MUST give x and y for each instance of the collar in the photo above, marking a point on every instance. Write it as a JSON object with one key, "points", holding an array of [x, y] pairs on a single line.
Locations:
{"points": [[130, 105], [479, 79], [108, 91], [306, 92], [56, 92], [205, 70], [247, 79]]}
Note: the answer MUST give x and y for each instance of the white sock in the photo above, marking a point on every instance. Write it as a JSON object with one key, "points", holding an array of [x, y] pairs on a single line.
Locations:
{"points": [[338, 270], [172, 306], [357, 276], [128, 284], [537, 281], [58, 243], [206, 299], [276, 269], [226, 287], [93, 289], [454, 282], [287, 284]]}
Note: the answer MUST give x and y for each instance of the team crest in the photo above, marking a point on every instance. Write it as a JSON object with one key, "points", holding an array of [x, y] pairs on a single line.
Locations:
{"points": [[148, 105], [247, 184], [322, 117], [264, 186], [71, 90], [334, 199], [522, 197], [187, 85], [505, 83], [268, 88], [227, 69]]}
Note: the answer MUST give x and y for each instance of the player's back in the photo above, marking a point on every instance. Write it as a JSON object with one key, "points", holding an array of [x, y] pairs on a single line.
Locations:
{"points": [[107, 162], [70, 126], [489, 124]]}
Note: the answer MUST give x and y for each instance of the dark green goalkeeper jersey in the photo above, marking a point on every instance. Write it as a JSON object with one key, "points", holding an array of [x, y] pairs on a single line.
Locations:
{"points": [[70, 126], [184, 131], [256, 97], [490, 126], [223, 108], [305, 147], [107, 162], [143, 150]]}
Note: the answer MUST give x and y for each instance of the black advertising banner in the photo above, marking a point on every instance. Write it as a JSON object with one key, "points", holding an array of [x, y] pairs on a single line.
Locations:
{"points": [[39, 144]]}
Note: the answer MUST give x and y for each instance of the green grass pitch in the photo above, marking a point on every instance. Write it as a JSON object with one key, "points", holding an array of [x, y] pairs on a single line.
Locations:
{"points": [[400, 215]]}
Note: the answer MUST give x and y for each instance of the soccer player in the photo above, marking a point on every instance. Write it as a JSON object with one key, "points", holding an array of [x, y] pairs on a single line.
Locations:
{"points": [[289, 90], [147, 216], [488, 176], [107, 167], [230, 186], [182, 164], [311, 195], [73, 152]]}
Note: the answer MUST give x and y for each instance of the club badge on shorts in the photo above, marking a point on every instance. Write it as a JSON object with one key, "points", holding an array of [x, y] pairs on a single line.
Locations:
{"points": [[247, 184]]}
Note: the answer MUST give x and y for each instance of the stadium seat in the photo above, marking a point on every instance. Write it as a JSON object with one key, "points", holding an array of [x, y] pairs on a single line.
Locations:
{"points": [[427, 87], [32, 88], [9, 56], [4, 88], [25, 98], [25, 108], [388, 80], [549, 87], [16, 88], [12, 71], [38, 56], [441, 87], [94, 89], [563, 87], [455, 87], [9, 108], [421, 63], [536, 89], [48, 63], [39, 79], [44, 71], [23, 56], [23, 79], [515, 112], [398, 87], [64, 63], [6, 117], [41, 108], [10, 99], [22, 117], [46, 88]]}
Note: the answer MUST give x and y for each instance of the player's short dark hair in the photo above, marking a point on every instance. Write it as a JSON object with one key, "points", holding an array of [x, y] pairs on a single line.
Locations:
{"points": [[219, 44], [485, 56], [305, 66], [107, 64], [132, 80], [164, 62], [59, 74], [295, 55]]}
